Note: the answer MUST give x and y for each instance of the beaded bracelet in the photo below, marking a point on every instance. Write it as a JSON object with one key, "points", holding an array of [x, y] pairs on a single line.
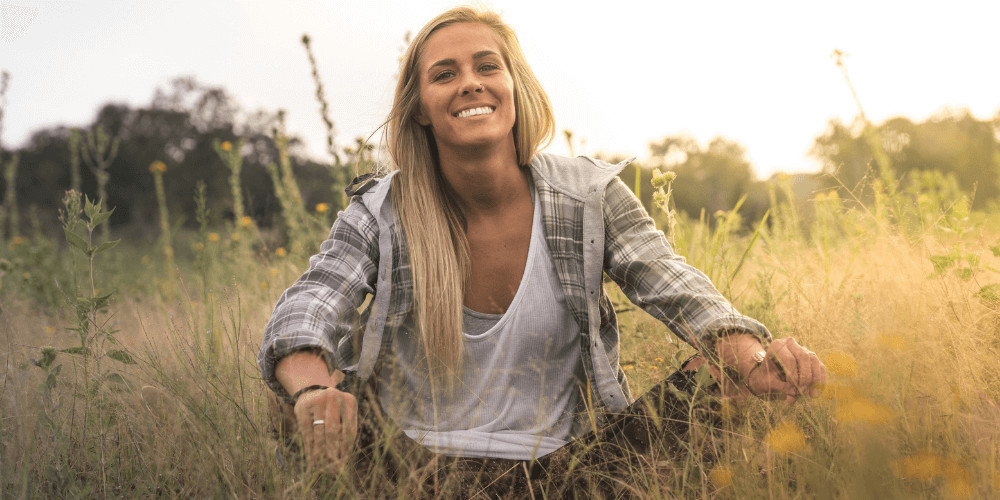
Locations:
{"points": [[314, 387]]}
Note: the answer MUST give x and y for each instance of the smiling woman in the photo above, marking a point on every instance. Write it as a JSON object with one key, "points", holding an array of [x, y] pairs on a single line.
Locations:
{"points": [[490, 345]]}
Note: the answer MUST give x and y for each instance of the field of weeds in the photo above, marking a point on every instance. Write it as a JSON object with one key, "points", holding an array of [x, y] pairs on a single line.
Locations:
{"points": [[129, 368]]}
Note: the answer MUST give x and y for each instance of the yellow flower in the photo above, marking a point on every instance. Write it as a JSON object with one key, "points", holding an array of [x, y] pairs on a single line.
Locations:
{"points": [[839, 363], [245, 221], [628, 367], [862, 410], [198, 246], [157, 167], [235, 237], [322, 208], [895, 342], [838, 392], [213, 237], [273, 271], [263, 285], [785, 438], [721, 476], [924, 466], [226, 146], [49, 329], [658, 360], [18, 240], [281, 252]]}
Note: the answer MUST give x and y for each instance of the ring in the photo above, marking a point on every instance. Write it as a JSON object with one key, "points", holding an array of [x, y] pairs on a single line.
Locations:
{"points": [[319, 422]]}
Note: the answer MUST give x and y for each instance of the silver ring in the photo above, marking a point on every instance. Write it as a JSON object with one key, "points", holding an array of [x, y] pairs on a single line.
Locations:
{"points": [[319, 422]]}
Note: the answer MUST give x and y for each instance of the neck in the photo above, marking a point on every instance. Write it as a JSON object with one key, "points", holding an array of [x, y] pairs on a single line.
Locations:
{"points": [[486, 181]]}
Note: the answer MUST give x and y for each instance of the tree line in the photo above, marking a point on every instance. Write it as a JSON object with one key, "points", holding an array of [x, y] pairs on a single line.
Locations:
{"points": [[183, 124]]}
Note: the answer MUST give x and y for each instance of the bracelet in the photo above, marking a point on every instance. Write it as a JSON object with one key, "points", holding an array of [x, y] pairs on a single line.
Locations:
{"points": [[314, 387]]}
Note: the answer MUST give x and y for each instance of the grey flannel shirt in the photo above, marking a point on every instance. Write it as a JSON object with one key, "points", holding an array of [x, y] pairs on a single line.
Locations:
{"points": [[593, 225]]}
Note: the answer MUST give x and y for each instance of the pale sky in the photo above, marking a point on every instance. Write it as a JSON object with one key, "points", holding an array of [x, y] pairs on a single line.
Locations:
{"points": [[620, 73]]}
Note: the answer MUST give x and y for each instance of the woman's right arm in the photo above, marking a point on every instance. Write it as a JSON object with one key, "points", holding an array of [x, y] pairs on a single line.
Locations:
{"points": [[310, 337]]}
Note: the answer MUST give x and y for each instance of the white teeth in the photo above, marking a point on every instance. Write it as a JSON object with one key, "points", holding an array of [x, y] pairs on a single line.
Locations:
{"points": [[485, 110]]}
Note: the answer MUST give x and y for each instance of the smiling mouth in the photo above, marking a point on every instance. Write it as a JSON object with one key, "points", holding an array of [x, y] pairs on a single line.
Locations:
{"points": [[484, 110]]}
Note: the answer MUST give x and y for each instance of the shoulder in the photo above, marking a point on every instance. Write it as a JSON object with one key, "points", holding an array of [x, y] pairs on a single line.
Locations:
{"points": [[578, 177], [368, 197]]}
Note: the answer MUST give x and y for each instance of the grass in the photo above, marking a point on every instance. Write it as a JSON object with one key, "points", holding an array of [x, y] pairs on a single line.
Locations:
{"points": [[902, 307]]}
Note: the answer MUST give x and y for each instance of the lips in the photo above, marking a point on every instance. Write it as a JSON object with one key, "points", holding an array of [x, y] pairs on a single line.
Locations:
{"points": [[481, 110]]}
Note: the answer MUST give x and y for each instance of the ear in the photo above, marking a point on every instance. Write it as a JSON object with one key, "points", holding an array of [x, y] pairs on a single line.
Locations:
{"points": [[421, 117]]}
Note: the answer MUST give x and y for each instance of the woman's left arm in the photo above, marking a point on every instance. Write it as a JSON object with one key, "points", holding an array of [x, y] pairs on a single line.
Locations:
{"points": [[638, 257]]}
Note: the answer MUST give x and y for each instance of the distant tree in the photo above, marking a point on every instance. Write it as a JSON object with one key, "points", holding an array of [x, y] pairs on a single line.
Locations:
{"points": [[952, 141], [710, 179]]}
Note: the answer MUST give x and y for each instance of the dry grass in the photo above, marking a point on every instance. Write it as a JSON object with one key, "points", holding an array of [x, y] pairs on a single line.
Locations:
{"points": [[910, 411]]}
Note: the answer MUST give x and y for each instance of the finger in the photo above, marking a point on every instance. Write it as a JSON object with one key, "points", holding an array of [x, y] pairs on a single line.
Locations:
{"points": [[820, 375], [332, 432], [788, 364], [351, 420], [804, 367], [303, 415]]}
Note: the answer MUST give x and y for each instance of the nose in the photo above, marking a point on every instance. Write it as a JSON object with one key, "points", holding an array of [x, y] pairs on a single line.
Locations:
{"points": [[471, 85]]}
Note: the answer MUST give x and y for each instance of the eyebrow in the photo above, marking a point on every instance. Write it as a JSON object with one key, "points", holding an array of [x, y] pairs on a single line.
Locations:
{"points": [[450, 62]]}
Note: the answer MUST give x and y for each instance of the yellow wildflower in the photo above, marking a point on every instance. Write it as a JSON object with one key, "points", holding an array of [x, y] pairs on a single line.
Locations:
{"points": [[839, 363], [628, 367], [273, 271], [924, 466], [198, 246], [18, 240], [245, 221], [213, 237], [322, 208], [833, 194], [721, 476], [263, 285], [235, 237], [785, 438], [838, 392], [862, 410], [658, 360], [226, 146], [895, 342], [49, 329], [157, 167], [281, 252]]}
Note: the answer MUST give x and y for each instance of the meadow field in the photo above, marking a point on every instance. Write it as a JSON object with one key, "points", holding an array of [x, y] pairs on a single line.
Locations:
{"points": [[129, 369]]}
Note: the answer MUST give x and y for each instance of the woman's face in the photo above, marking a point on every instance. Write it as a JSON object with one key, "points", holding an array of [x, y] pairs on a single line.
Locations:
{"points": [[466, 89]]}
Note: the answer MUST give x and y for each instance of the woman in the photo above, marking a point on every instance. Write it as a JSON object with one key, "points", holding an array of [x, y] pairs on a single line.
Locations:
{"points": [[489, 329]]}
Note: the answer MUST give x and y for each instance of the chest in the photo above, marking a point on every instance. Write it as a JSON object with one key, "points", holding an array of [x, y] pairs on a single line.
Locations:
{"points": [[499, 251]]}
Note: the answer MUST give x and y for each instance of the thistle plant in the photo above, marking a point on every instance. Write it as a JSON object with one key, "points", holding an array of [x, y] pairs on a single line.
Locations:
{"points": [[76, 181], [663, 188], [99, 150], [10, 197], [338, 171], [90, 307], [233, 160], [158, 168]]}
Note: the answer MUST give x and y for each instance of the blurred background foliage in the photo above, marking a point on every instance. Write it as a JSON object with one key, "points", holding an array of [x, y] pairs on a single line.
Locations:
{"points": [[181, 122]]}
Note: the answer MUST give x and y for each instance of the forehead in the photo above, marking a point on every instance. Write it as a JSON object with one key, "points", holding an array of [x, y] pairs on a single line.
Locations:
{"points": [[458, 41]]}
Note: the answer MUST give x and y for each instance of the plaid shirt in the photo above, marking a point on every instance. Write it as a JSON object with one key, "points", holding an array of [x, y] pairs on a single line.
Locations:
{"points": [[593, 225]]}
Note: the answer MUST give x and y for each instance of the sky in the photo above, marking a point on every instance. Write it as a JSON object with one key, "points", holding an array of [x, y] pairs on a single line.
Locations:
{"points": [[620, 73]]}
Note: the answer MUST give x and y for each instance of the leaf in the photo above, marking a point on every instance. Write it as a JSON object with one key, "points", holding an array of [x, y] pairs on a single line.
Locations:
{"points": [[101, 217], [107, 245], [989, 293], [942, 262], [995, 250], [83, 351], [77, 241], [122, 356]]}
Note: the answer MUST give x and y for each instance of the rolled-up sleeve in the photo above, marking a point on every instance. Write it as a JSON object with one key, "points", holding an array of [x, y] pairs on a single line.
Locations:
{"points": [[640, 260], [320, 310]]}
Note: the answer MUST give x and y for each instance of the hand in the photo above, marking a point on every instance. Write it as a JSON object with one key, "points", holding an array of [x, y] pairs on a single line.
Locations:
{"points": [[328, 420], [788, 369]]}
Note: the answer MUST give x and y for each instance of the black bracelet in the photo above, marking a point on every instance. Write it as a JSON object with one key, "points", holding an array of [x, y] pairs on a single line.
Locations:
{"points": [[314, 387]]}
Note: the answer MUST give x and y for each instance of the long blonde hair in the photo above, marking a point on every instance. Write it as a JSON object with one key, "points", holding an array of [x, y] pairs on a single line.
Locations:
{"points": [[432, 221]]}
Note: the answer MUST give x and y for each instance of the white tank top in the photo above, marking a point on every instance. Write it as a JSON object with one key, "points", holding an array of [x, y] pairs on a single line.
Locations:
{"points": [[518, 390]]}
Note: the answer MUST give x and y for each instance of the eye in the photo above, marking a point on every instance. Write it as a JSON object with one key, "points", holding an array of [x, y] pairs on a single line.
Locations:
{"points": [[443, 75], [489, 67]]}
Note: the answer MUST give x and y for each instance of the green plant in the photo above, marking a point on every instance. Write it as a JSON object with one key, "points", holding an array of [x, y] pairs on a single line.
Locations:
{"points": [[99, 150]]}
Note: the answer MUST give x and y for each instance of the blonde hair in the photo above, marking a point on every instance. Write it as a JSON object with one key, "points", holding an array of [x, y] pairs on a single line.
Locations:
{"points": [[432, 221]]}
